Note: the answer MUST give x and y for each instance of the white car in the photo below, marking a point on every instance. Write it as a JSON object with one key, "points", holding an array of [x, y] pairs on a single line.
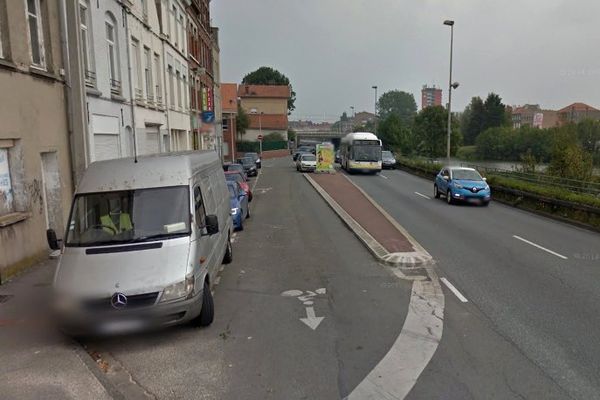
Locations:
{"points": [[306, 163]]}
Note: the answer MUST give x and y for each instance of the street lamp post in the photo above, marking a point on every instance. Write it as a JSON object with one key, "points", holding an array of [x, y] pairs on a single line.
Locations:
{"points": [[375, 87], [450, 87], [255, 111]]}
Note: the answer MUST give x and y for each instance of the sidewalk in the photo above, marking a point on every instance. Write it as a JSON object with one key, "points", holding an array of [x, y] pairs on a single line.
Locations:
{"points": [[384, 237], [38, 362]]}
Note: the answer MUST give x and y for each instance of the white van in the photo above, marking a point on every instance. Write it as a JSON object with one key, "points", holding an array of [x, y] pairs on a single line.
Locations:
{"points": [[144, 243]]}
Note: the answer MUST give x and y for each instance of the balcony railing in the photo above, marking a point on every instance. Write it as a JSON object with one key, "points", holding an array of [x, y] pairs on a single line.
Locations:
{"points": [[115, 86], [90, 78]]}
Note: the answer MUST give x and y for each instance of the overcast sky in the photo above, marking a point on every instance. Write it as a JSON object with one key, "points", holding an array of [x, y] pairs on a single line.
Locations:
{"points": [[529, 51]]}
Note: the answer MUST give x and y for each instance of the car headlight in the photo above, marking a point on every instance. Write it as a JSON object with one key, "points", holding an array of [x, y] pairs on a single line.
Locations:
{"points": [[179, 290], [458, 185], [234, 211]]}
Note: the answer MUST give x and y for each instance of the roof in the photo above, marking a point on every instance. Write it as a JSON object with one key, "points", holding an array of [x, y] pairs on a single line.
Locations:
{"points": [[158, 170], [229, 97], [359, 136], [578, 107], [266, 91], [268, 121]]}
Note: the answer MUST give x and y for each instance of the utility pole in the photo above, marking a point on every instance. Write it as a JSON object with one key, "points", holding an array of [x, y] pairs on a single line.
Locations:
{"points": [[375, 87], [450, 87]]}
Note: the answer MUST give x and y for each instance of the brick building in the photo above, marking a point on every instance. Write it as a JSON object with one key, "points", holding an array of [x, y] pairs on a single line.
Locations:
{"points": [[266, 105], [577, 112], [431, 96], [533, 115], [229, 106]]}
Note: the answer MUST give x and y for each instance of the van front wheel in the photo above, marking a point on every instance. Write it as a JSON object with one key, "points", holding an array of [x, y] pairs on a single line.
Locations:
{"points": [[207, 314]]}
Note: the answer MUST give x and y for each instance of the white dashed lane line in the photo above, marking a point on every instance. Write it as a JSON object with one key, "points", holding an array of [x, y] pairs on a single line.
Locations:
{"points": [[422, 195], [540, 247], [383, 176], [454, 290]]}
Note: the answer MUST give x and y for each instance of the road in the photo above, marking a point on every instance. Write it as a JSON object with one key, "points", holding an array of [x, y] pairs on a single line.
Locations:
{"points": [[532, 285], [258, 348]]}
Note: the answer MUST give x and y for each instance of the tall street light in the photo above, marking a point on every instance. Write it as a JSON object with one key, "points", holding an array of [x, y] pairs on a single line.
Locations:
{"points": [[375, 87], [260, 114], [450, 87]]}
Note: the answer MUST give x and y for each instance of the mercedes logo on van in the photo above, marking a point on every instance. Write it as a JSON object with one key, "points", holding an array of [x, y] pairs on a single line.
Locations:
{"points": [[118, 301]]}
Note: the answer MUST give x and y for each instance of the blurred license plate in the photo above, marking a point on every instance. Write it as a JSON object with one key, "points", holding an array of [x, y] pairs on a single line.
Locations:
{"points": [[474, 200], [121, 326]]}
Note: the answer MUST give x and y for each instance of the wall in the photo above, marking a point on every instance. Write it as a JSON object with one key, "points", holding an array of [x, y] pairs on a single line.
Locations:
{"points": [[33, 122], [252, 134], [267, 106]]}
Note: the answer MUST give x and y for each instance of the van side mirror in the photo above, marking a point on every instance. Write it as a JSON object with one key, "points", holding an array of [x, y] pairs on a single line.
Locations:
{"points": [[212, 224], [53, 242]]}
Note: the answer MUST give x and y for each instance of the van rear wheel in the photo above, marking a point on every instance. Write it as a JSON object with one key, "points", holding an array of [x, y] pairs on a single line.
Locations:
{"points": [[207, 314]]}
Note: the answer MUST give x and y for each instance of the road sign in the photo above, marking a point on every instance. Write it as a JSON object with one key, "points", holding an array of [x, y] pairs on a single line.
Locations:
{"points": [[260, 137]]}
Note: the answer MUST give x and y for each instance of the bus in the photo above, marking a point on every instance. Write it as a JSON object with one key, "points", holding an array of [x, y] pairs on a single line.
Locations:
{"points": [[361, 152]]}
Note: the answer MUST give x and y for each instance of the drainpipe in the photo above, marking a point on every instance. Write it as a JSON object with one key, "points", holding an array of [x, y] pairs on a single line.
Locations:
{"points": [[165, 81], [74, 88], [129, 75]]}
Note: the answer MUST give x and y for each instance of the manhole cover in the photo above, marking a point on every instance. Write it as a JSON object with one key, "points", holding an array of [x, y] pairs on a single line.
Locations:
{"points": [[5, 297]]}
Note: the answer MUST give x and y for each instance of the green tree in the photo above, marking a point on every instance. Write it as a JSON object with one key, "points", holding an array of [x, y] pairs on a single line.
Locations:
{"points": [[395, 135], [495, 112], [431, 129], [270, 76], [569, 159], [291, 134], [473, 123], [242, 121], [397, 102]]}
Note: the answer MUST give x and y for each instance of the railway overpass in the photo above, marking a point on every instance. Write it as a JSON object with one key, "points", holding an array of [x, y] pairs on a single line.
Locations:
{"points": [[308, 136]]}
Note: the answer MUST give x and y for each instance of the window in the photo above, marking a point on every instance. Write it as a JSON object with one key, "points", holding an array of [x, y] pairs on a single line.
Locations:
{"points": [[86, 50], [113, 54], [171, 87], [2, 24], [199, 211], [36, 35], [144, 10], [185, 93], [148, 74], [158, 91], [225, 124], [178, 90], [6, 192], [182, 33], [173, 34], [136, 65]]}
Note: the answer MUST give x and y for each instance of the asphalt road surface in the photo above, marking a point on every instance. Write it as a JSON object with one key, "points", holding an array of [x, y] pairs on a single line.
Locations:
{"points": [[257, 347], [529, 326]]}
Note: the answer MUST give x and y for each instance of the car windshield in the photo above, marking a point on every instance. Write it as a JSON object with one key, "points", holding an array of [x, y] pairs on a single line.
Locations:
{"points": [[232, 191], [252, 156], [308, 157], [236, 167], [247, 161], [386, 154], [129, 216], [366, 153], [466, 175]]}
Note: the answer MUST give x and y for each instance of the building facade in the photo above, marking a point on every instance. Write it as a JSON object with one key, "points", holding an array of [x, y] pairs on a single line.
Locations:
{"points": [[266, 106], [200, 61], [431, 96], [35, 170], [218, 104], [229, 114], [533, 115], [102, 48], [577, 112]]}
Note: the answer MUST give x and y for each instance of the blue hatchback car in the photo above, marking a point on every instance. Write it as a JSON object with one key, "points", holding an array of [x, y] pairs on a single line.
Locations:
{"points": [[462, 184], [239, 205]]}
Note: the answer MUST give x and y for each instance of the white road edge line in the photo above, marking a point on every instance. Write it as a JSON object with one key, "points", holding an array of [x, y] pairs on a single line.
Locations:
{"points": [[422, 195], [540, 247], [454, 290]]}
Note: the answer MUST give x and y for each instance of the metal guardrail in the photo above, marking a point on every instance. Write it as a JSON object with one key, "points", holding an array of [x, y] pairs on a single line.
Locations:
{"points": [[573, 185]]}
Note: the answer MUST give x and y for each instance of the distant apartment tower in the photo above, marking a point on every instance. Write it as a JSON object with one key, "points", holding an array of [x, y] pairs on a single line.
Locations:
{"points": [[431, 96]]}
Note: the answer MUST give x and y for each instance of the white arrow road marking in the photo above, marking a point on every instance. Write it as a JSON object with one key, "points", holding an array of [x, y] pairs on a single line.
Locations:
{"points": [[311, 320], [540, 247], [422, 195]]}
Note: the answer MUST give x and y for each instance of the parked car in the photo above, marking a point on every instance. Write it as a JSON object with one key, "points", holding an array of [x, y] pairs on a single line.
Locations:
{"points": [[236, 176], [144, 240], [462, 184], [256, 159], [388, 160], [249, 166], [238, 200], [236, 168], [306, 163], [302, 149]]}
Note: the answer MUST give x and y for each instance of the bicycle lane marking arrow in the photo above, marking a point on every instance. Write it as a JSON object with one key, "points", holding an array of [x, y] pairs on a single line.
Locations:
{"points": [[311, 320]]}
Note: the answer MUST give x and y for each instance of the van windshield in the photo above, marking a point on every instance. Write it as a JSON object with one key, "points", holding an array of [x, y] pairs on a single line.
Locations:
{"points": [[129, 216]]}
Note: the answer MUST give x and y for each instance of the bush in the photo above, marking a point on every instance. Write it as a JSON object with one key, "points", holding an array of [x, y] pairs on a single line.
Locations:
{"points": [[467, 153], [246, 146]]}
